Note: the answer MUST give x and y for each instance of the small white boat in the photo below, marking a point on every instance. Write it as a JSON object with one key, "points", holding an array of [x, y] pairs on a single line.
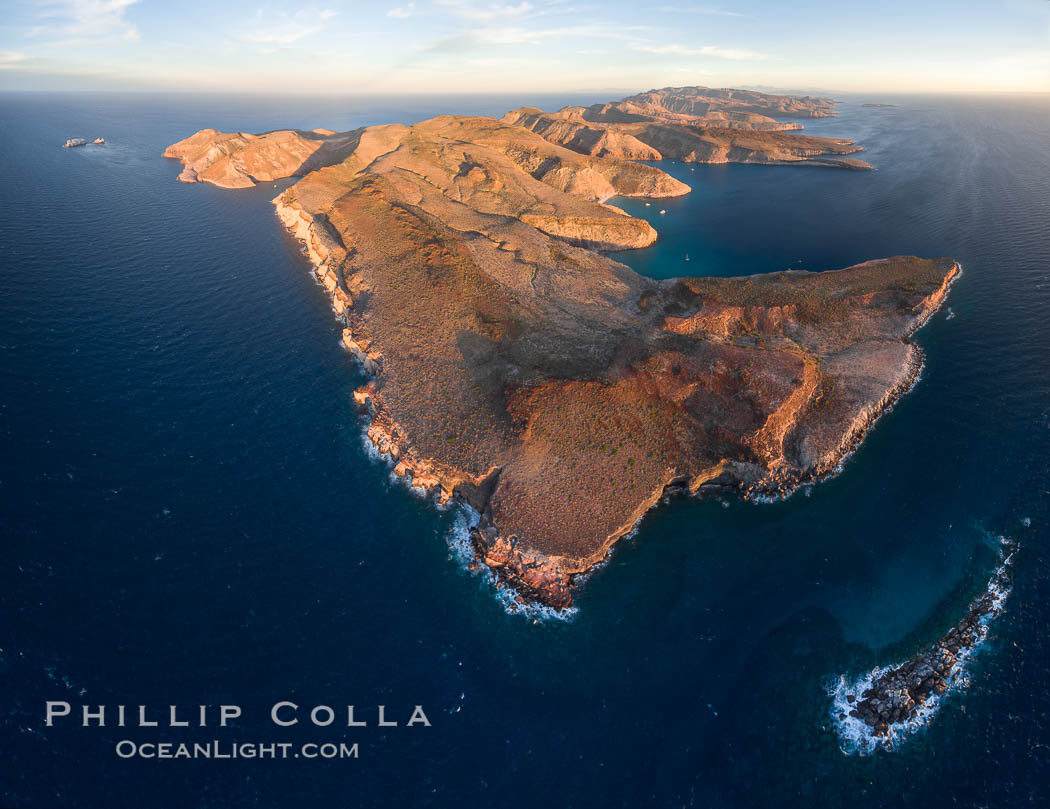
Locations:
{"points": [[74, 142], [647, 204], [662, 212], [99, 141], [686, 256]]}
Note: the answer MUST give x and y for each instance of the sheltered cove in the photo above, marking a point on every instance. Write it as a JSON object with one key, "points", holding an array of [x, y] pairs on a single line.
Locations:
{"points": [[553, 389]]}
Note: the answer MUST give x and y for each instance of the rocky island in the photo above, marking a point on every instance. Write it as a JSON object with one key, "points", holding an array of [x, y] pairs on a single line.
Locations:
{"points": [[881, 707], [695, 125], [517, 369]]}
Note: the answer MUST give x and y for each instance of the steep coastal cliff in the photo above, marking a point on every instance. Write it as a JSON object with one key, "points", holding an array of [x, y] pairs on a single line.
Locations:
{"points": [[554, 390]]}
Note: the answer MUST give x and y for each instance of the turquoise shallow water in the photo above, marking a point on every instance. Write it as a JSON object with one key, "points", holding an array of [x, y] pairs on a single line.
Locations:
{"points": [[190, 516]]}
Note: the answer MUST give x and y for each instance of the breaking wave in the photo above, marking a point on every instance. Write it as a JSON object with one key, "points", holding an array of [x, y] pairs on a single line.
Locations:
{"points": [[461, 550]]}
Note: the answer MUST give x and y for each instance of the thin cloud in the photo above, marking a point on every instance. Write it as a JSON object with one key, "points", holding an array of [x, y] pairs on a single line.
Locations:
{"points": [[87, 19], [283, 30], [518, 35], [10, 60], [279, 36], [487, 13], [707, 10], [402, 12], [736, 54]]}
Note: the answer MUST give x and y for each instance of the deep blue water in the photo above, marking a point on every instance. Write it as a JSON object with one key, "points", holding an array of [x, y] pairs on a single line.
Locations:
{"points": [[189, 515]]}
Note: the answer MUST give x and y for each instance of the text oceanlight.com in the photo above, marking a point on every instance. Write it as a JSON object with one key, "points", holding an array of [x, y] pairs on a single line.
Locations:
{"points": [[230, 750]]}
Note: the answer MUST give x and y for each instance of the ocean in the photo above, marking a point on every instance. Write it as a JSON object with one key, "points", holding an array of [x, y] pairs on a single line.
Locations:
{"points": [[190, 515]]}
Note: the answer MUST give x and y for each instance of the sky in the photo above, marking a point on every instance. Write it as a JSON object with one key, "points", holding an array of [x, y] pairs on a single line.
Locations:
{"points": [[434, 46]]}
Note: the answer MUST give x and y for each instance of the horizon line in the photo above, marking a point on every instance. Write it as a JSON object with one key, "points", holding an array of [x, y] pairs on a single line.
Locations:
{"points": [[764, 88]]}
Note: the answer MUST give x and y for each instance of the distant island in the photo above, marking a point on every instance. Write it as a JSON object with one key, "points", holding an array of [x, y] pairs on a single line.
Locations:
{"points": [[551, 388], [72, 143]]}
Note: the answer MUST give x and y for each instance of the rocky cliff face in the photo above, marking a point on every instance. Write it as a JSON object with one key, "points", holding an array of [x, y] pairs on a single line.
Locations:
{"points": [[553, 389]]}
